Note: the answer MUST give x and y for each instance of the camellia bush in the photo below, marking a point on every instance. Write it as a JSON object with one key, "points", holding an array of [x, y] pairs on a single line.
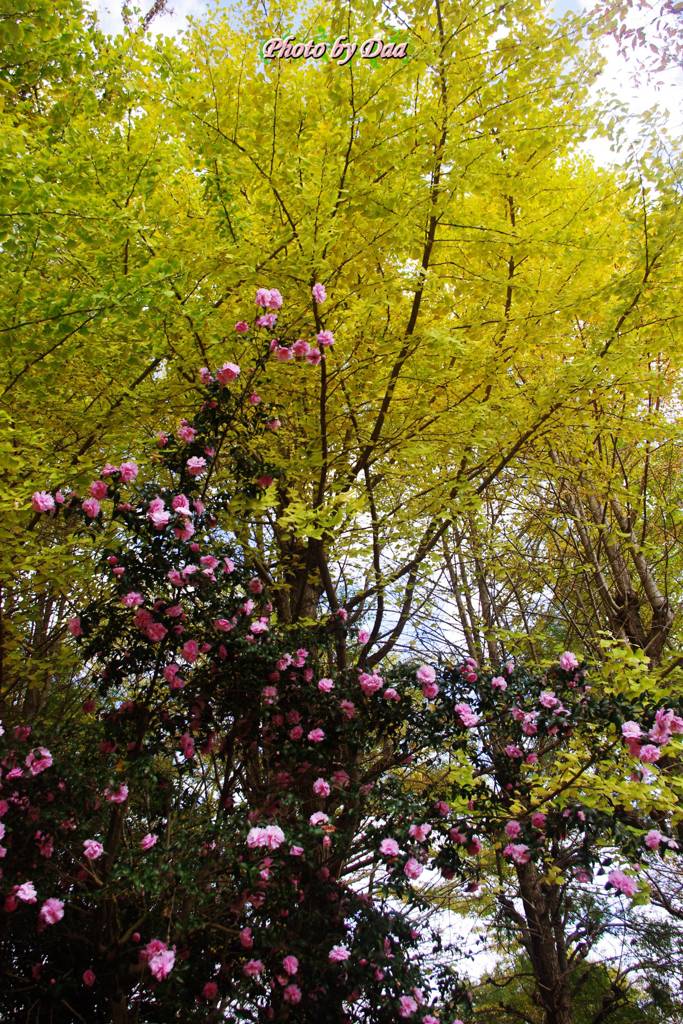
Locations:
{"points": [[242, 825]]}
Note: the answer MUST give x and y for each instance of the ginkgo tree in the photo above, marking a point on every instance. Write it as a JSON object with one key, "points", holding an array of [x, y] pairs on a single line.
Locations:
{"points": [[441, 200]]}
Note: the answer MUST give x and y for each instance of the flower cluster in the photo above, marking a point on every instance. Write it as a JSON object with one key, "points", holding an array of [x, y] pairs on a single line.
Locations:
{"points": [[215, 789]]}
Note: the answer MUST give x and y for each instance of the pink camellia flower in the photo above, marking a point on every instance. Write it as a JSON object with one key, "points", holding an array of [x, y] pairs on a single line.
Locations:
{"points": [[186, 433], [568, 661], [325, 685], [370, 683], [363, 636], [246, 938], [132, 599], [290, 965], [412, 868], [253, 968], [158, 514], [271, 836], [498, 683], [529, 727], [430, 1019], [667, 723], [348, 708], [623, 883], [42, 501], [186, 745], [649, 753], [653, 839], [296, 733], [419, 832], [292, 994], [210, 991], [318, 818], [314, 357], [205, 375], [128, 471], [74, 626], [548, 699], [275, 837], [325, 338], [316, 736], [538, 819], [51, 911], [466, 715], [338, 954], [196, 465], [319, 292], [153, 947], [425, 674], [631, 731], [391, 694], [269, 298], [321, 787], [156, 632], [517, 852], [513, 829], [92, 849], [241, 326], [430, 690], [91, 507], [389, 847], [406, 1006], [190, 650], [117, 796], [162, 963], [27, 893], [513, 751], [88, 978], [227, 373], [301, 348], [98, 489], [148, 841], [38, 760], [256, 837], [181, 504]]}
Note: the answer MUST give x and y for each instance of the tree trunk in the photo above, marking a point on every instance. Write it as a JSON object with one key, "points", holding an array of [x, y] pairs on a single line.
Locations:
{"points": [[546, 947]]}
